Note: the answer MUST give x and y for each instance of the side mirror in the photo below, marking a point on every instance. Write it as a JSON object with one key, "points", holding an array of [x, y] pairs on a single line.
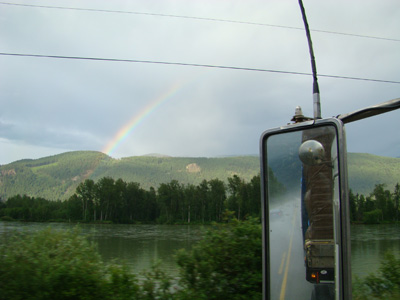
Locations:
{"points": [[306, 228]]}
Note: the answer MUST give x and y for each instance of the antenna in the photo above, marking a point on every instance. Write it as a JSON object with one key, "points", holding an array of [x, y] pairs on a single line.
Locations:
{"points": [[316, 97]]}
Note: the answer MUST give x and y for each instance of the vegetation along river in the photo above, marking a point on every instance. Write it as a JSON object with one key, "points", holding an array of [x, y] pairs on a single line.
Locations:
{"points": [[140, 246]]}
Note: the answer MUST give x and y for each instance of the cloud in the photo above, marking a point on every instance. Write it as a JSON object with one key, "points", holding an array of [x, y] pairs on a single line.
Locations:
{"points": [[81, 105]]}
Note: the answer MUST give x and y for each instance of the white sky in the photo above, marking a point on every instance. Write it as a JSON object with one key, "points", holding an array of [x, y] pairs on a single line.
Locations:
{"points": [[49, 106]]}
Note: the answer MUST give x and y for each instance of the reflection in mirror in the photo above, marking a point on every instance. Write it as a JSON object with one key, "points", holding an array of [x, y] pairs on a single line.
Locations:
{"points": [[311, 153], [302, 205]]}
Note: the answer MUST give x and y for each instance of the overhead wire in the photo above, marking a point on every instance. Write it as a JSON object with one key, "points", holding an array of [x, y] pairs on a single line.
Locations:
{"points": [[194, 65], [198, 18]]}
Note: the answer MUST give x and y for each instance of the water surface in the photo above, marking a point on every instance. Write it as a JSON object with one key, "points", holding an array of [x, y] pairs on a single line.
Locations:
{"points": [[369, 243], [140, 246]]}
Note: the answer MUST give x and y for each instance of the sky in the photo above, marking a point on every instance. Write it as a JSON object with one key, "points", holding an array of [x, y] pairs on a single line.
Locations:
{"points": [[123, 105]]}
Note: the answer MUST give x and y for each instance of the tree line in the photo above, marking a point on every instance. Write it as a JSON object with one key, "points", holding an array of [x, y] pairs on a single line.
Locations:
{"points": [[117, 201], [381, 205]]}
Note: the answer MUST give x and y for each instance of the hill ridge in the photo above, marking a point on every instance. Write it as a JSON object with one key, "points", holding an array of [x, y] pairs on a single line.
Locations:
{"points": [[56, 177]]}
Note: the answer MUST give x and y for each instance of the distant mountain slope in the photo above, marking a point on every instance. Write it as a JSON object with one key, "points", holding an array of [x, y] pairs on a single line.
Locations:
{"points": [[367, 170], [56, 177]]}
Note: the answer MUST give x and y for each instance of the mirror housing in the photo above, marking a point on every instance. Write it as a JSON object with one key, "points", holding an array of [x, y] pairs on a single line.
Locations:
{"points": [[304, 176]]}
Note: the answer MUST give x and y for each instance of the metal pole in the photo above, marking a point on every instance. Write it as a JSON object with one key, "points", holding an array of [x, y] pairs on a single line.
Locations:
{"points": [[316, 96]]}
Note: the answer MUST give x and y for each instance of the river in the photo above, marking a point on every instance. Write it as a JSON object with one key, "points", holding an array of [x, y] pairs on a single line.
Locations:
{"points": [[369, 243], [140, 246]]}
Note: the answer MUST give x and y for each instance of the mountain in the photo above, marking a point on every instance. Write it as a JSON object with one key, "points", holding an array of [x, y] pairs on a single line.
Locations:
{"points": [[367, 170], [56, 177]]}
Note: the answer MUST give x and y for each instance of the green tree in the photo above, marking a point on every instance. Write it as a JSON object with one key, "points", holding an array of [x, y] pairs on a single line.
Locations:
{"points": [[191, 203], [86, 192], [217, 197], [226, 264], [369, 204], [353, 206], [237, 193], [384, 284], [105, 193], [118, 204], [53, 264], [255, 196], [74, 208], [380, 199], [170, 200], [396, 200], [360, 201], [373, 217], [202, 197]]}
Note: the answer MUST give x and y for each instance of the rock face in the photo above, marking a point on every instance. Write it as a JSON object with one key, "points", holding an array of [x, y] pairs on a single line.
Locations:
{"points": [[193, 168], [10, 172]]}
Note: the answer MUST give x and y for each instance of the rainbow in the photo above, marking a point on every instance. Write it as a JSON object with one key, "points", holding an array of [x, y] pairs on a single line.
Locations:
{"points": [[138, 118]]}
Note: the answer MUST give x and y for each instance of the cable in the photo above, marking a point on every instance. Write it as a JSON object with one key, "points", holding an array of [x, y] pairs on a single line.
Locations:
{"points": [[198, 18], [193, 65]]}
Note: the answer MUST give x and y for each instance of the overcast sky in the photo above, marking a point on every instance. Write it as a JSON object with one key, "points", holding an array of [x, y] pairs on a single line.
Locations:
{"points": [[49, 106]]}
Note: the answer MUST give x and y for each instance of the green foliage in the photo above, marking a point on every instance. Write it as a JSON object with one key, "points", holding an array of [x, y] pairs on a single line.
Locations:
{"points": [[379, 207], [62, 265], [367, 170], [244, 198], [373, 217], [120, 202], [159, 285], [226, 264], [57, 177], [383, 285], [54, 177], [59, 265]]}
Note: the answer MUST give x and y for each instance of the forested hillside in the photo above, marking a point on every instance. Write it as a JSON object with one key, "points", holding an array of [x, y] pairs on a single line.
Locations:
{"points": [[367, 170], [56, 177]]}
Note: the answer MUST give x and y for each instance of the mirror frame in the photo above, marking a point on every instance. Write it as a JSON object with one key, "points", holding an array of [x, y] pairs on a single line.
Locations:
{"points": [[342, 221]]}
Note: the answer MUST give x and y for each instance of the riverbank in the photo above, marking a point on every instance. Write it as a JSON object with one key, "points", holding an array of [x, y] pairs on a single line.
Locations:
{"points": [[196, 223], [231, 246]]}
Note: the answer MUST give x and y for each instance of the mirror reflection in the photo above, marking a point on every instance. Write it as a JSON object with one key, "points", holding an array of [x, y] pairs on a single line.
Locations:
{"points": [[303, 204], [311, 153]]}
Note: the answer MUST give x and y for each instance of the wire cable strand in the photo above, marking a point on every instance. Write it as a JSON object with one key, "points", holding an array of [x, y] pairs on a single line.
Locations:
{"points": [[194, 65], [199, 18]]}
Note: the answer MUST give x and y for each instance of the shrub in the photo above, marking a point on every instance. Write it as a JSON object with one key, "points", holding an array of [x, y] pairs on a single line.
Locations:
{"points": [[226, 264], [53, 264], [6, 219], [385, 284], [373, 217]]}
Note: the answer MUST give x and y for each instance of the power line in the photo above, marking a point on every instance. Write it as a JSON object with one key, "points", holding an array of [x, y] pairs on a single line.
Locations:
{"points": [[193, 65], [198, 18]]}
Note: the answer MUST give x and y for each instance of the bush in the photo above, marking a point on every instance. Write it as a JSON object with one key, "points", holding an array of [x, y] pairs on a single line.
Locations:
{"points": [[226, 264], [53, 264], [373, 217], [383, 285]]}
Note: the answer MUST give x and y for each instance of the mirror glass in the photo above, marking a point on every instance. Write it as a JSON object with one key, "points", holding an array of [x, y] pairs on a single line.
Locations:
{"points": [[302, 203]]}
